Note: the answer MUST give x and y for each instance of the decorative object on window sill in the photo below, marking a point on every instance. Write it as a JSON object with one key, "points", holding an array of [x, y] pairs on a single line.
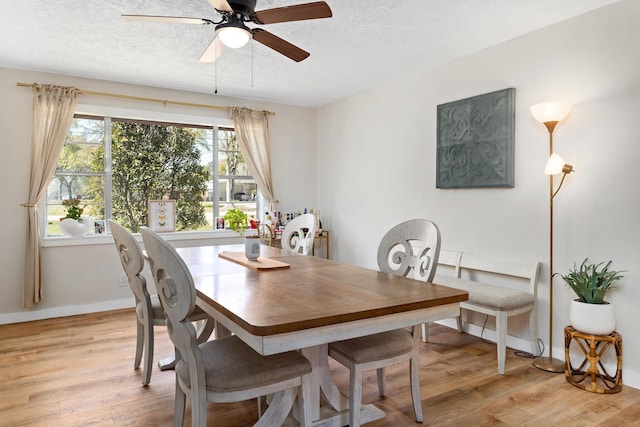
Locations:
{"points": [[590, 313], [98, 226], [162, 215], [475, 141], [549, 114], [219, 223], [76, 228]]}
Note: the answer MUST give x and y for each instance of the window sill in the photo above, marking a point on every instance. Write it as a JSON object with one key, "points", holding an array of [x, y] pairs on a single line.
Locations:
{"points": [[194, 238]]}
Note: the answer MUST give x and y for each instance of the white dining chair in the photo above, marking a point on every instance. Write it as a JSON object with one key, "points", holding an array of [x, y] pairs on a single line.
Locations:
{"points": [[409, 249], [298, 234], [149, 311], [225, 369]]}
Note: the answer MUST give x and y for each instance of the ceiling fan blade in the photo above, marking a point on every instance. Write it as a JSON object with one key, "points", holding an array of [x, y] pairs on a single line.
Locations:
{"points": [[166, 19], [298, 12], [221, 5], [279, 45], [212, 52]]}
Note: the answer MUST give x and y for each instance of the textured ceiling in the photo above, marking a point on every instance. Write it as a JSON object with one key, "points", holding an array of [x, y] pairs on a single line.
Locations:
{"points": [[365, 44]]}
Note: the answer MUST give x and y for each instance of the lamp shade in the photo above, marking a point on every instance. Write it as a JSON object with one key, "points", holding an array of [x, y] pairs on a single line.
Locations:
{"points": [[550, 111], [554, 165], [232, 36]]}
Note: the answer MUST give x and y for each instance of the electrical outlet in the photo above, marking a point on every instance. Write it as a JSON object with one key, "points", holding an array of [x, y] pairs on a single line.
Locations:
{"points": [[124, 281]]}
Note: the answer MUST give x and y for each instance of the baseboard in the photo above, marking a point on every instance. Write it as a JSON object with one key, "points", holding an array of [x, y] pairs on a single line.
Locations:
{"points": [[71, 310], [630, 378]]}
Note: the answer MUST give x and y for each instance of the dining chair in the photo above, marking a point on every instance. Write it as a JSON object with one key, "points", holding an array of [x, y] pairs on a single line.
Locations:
{"points": [[409, 249], [149, 311], [225, 369], [298, 234]]}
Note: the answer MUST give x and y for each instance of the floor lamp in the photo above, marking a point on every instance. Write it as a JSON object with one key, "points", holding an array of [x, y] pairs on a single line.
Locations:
{"points": [[549, 114]]}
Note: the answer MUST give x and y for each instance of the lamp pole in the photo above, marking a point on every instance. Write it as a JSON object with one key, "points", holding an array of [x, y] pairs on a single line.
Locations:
{"points": [[550, 364]]}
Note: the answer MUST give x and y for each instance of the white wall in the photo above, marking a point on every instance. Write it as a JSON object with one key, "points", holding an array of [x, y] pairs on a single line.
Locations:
{"points": [[85, 277], [376, 163]]}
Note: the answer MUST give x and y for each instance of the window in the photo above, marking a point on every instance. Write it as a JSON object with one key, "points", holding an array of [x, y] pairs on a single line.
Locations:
{"points": [[78, 175], [115, 166]]}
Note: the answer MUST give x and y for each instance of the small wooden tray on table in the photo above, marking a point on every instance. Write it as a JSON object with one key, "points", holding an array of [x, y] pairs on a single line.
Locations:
{"points": [[260, 264]]}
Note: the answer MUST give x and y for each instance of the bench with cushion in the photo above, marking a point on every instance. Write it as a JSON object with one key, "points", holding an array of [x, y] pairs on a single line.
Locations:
{"points": [[492, 299]]}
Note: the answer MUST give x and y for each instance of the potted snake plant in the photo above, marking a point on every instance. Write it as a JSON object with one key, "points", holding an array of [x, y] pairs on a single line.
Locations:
{"points": [[590, 313]]}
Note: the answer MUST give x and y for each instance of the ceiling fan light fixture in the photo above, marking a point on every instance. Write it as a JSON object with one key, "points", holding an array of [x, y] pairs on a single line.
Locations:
{"points": [[233, 36], [231, 31]]}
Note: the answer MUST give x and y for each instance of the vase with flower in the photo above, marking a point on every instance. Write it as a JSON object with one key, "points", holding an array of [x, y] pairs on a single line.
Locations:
{"points": [[74, 223], [238, 221]]}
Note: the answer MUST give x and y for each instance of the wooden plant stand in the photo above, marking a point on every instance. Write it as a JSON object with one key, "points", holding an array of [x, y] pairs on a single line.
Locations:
{"points": [[593, 347]]}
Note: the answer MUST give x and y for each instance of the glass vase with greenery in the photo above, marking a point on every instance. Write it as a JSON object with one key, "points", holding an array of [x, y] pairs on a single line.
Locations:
{"points": [[237, 219]]}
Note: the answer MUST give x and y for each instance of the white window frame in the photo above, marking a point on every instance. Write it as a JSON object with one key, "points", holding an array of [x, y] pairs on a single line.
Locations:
{"points": [[195, 118]]}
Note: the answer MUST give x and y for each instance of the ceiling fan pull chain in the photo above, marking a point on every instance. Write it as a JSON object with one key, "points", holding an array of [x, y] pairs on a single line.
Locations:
{"points": [[215, 72]]}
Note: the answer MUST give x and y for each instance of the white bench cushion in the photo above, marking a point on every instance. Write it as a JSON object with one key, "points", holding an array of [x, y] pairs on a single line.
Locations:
{"points": [[491, 296]]}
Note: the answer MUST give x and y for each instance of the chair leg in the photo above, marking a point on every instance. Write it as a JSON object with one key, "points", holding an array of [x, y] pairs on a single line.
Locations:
{"points": [[501, 333], [148, 352], [355, 395], [262, 405], [415, 385], [459, 322], [382, 383], [425, 333], [139, 344], [198, 408], [179, 405], [533, 332]]}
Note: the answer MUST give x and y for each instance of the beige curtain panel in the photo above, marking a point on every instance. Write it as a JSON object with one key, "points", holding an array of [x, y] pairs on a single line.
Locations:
{"points": [[53, 109], [252, 131]]}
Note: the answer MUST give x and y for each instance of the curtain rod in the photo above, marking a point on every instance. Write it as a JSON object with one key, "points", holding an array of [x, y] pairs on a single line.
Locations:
{"points": [[141, 98]]}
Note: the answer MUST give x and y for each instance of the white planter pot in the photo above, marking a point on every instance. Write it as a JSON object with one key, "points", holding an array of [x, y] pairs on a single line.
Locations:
{"points": [[73, 228], [593, 319], [252, 247]]}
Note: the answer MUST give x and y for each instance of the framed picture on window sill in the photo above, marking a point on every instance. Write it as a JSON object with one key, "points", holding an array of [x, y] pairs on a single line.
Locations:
{"points": [[162, 215]]}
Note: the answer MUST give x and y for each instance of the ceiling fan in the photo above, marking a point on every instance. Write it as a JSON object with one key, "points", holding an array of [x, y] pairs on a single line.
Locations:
{"points": [[232, 31]]}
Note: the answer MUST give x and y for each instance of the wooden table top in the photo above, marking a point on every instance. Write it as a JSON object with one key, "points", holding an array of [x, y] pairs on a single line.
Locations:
{"points": [[313, 292]]}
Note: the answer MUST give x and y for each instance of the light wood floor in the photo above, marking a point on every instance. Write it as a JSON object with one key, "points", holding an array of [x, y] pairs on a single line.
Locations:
{"points": [[78, 371]]}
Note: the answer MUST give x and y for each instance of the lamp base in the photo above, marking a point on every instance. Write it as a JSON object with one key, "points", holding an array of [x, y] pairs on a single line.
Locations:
{"points": [[549, 364]]}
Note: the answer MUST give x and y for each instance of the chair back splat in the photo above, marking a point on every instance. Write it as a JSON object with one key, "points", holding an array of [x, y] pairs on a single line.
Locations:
{"points": [[131, 258], [410, 249], [298, 235]]}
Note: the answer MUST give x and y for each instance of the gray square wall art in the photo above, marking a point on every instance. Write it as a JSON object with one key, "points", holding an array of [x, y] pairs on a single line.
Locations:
{"points": [[476, 141]]}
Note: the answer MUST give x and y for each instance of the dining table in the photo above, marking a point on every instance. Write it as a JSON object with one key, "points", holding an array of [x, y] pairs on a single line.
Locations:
{"points": [[285, 301]]}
